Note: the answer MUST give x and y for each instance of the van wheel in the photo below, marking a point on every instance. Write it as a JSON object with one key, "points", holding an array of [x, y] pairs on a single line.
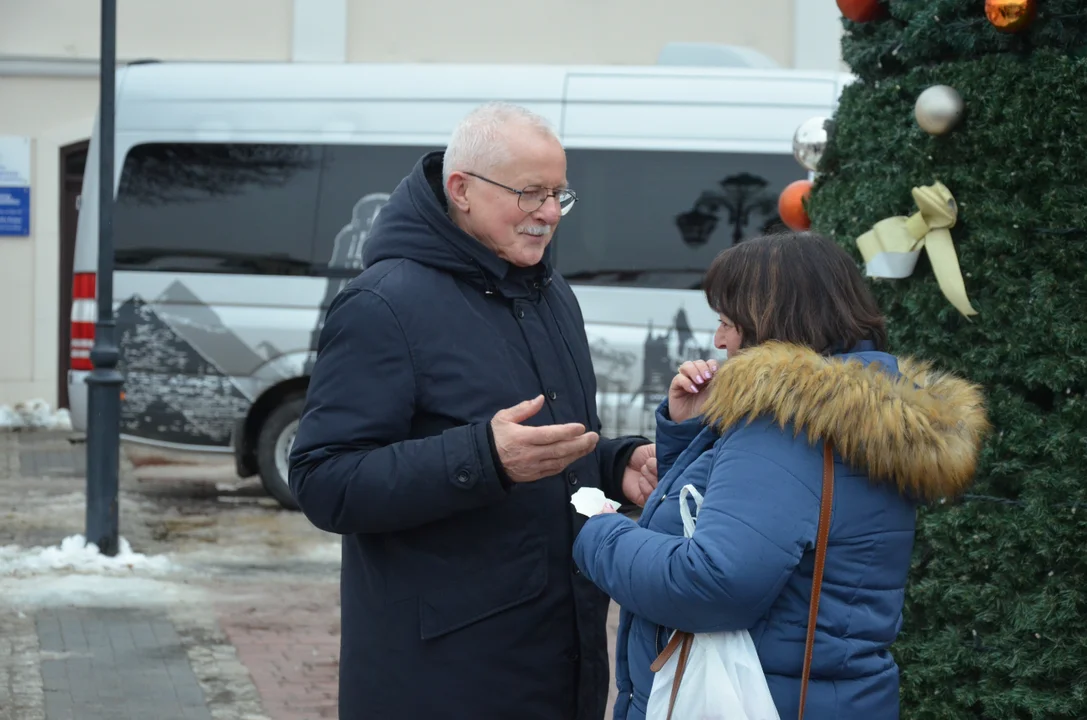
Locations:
{"points": [[274, 448]]}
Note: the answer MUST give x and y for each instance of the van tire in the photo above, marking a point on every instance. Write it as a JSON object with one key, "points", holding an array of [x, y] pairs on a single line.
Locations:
{"points": [[278, 429]]}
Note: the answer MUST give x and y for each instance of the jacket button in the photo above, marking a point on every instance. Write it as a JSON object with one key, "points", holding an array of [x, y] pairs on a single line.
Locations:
{"points": [[462, 477], [521, 314], [552, 394], [577, 570], [572, 478]]}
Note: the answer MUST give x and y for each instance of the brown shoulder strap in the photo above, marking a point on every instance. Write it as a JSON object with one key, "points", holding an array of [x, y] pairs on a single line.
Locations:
{"points": [[681, 640], [826, 503]]}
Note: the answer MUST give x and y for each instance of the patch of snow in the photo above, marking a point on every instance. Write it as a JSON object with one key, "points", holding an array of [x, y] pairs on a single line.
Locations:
{"points": [[9, 418], [34, 414], [96, 591], [232, 487], [247, 500], [76, 555], [325, 552]]}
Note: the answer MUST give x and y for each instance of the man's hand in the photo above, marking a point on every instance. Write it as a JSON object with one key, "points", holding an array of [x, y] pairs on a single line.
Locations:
{"points": [[640, 475], [530, 453]]}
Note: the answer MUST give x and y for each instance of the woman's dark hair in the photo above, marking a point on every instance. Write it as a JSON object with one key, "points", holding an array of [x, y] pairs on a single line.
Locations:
{"points": [[796, 287]]}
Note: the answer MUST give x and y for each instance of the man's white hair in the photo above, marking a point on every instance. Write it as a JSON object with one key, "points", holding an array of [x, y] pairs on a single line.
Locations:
{"points": [[478, 143]]}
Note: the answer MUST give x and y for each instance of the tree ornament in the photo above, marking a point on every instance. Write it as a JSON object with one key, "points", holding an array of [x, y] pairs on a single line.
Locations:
{"points": [[938, 109], [891, 248], [1011, 16], [810, 142], [791, 205], [862, 10]]}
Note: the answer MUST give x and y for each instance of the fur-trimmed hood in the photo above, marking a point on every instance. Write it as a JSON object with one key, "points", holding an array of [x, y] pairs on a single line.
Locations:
{"points": [[919, 429]]}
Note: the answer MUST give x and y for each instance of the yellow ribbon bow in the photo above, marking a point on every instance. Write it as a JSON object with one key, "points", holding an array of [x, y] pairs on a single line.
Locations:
{"points": [[891, 248]]}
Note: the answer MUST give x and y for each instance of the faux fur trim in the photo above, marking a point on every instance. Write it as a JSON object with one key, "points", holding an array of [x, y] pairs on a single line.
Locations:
{"points": [[922, 430]]}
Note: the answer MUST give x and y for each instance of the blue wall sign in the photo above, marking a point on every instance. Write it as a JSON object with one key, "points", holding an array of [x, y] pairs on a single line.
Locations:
{"points": [[14, 211]]}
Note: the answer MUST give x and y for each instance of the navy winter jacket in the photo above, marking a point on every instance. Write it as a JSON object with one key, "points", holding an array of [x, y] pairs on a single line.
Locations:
{"points": [[901, 433], [459, 594]]}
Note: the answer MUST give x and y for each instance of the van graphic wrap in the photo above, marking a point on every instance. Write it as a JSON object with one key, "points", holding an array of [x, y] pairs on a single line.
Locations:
{"points": [[188, 377], [631, 384], [663, 355], [173, 392], [347, 255]]}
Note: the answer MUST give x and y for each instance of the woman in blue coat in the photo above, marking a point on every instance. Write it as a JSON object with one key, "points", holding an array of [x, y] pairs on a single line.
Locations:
{"points": [[806, 363]]}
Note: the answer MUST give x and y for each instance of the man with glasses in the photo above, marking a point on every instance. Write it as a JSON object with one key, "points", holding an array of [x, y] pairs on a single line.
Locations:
{"points": [[450, 416]]}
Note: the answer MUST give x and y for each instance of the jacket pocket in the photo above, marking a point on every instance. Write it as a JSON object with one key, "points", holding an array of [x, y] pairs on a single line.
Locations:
{"points": [[661, 638], [480, 595]]}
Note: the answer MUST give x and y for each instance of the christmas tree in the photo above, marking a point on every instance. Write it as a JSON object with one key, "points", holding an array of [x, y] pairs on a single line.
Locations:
{"points": [[970, 117]]}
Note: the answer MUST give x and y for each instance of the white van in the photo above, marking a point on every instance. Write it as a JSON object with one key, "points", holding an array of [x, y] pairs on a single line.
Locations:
{"points": [[245, 193]]}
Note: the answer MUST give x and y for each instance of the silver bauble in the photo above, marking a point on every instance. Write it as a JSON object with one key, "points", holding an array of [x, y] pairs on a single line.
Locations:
{"points": [[810, 142], [938, 109]]}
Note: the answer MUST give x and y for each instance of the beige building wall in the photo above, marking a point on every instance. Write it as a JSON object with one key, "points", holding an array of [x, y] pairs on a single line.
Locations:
{"points": [[54, 113], [164, 29], [49, 86], [561, 31], [49, 92]]}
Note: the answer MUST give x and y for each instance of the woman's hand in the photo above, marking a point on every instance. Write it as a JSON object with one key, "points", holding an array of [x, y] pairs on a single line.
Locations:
{"points": [[687, 392]]}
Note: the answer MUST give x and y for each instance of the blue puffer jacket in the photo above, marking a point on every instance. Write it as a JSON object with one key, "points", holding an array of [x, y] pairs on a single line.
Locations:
{"points": [[901, 433]]}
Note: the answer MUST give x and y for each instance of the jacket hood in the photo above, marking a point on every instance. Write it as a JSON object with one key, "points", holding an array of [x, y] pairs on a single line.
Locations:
{"points": [[917, 428], [415, 225]]}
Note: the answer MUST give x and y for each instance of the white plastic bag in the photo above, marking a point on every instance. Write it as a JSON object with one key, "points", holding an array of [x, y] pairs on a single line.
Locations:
{"points": [[723, 678]]}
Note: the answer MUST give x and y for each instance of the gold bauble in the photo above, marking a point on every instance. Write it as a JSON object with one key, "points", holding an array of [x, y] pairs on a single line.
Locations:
{"points": [[1010, 16], [938, 109]]}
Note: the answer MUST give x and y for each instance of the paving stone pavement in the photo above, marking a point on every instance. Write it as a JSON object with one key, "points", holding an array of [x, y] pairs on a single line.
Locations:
{"points": [[115, 664], [125, 646], [21, 692], [248, 630], [290, 646]]}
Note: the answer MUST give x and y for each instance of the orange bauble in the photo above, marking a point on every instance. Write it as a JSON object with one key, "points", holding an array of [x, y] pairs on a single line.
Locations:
{"points": [[861, 10], [791, 205], [1011, 15]]}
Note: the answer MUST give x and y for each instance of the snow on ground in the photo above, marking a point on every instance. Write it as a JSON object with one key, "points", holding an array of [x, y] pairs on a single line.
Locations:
{"points": [[326, 552], [95, 591], [76, 555], [75, 573], [34, 414]]}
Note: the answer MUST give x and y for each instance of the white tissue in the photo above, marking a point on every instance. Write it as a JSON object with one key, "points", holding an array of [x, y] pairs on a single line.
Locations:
{"points": [[590, 501]]}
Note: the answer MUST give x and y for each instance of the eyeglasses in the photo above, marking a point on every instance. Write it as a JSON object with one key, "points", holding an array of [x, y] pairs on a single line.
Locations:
{"points": [[532, 198]]}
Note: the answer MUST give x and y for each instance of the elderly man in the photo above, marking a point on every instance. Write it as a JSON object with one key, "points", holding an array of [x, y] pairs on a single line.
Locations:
{"points": [[451, 413]]}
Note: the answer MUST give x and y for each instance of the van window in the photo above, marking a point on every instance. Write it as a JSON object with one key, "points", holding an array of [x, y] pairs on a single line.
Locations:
{"points": [[253, 209], [356, 182], [657, 219], [217, 208]]}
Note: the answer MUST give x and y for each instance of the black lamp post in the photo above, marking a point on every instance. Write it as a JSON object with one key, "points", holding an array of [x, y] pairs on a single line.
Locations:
{"points": [[104, 391]]}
